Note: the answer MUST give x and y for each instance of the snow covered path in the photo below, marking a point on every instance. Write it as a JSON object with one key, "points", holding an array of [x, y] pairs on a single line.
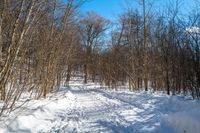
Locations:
{"points": [[89, 108]]}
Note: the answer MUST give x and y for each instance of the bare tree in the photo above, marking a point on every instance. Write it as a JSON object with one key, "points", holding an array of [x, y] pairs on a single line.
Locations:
{"points": [[92, 28]]}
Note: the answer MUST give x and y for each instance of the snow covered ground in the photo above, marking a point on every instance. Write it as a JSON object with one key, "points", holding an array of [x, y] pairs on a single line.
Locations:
{"points": [[90, 108]]}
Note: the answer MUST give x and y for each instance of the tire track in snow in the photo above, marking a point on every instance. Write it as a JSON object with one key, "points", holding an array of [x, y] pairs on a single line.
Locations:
{"points": [[91, 107], [80, 113]]}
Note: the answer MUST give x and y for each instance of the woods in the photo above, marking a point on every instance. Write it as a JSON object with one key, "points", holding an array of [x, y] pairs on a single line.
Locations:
{"points": [[43, 42], [38, 39], [155, 52]]}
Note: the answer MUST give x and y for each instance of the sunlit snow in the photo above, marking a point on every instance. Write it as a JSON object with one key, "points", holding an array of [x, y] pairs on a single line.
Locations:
{"points": [[90, 108]]}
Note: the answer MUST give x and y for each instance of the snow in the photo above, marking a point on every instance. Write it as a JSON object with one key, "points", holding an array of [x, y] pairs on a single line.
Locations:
{"points": [[90, 108], [182, 122]]}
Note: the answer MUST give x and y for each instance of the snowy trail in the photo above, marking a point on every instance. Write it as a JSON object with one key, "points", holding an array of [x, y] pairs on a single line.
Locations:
{"points": [[89, 108]]}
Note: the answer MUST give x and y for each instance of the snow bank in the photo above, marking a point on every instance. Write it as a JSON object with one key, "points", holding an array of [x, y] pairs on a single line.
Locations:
{"points": [[89, 108], [181, 122]]}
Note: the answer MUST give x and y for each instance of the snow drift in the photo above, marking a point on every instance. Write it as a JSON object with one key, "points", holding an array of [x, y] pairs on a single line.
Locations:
{"points": [[90, 108]]}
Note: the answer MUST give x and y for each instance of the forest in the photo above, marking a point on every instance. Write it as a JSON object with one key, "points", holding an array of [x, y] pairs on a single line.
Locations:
{"points": [[43, 43]]}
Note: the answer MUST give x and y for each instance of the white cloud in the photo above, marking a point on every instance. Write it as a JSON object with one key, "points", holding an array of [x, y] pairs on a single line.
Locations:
{"points": [[193, 29]]}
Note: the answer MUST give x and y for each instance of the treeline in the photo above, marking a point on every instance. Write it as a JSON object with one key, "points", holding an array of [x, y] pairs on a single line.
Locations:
{"points": [[38, 39], [43, 42], [151, 51]]}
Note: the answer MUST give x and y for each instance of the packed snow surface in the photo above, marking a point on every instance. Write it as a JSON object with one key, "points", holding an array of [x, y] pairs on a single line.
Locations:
{"points": [[92, 109]]}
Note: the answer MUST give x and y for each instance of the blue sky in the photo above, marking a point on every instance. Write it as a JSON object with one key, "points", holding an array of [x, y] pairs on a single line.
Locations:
{"points": [[112, 8], [107, 8]]}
